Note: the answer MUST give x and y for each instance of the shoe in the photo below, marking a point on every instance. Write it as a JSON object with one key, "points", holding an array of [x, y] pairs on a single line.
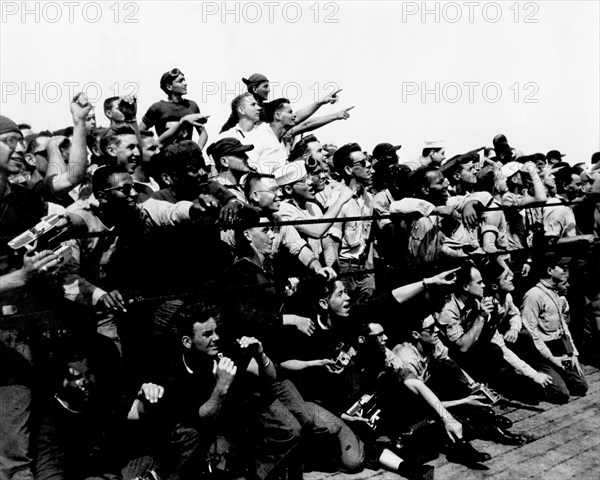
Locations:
{"points": [[504, 437], [415, 471], [464, 453], [503, 422]]}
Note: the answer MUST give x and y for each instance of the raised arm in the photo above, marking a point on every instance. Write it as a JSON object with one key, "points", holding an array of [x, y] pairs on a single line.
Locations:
{"points": [[406, 292], [68, 176], [317, 230], [309, 110], [314, 123]]}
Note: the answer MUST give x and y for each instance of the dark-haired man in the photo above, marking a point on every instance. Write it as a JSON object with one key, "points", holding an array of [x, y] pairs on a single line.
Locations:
{"points": [[270, 152], [469, 323], [91, 282], [112, 112], [175, 118], [84, 430], [216, 387], [353, 240]]}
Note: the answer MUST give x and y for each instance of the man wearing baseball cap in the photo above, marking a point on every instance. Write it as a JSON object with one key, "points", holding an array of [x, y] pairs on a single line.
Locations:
{"points": [[554, 156], [231, 160], [434, 153], [384, 155], [258, 86], [175, 118]]}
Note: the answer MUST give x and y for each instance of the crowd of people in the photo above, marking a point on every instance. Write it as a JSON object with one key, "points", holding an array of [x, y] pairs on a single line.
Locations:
{"points": [[260, 304]]}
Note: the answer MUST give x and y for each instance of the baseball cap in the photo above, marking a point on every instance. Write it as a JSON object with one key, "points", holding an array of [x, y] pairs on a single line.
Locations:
{"points": [[511, 168], [227, 146], [449, 165], [555, 154], [384, 149], [7, 125], [255, 79]]}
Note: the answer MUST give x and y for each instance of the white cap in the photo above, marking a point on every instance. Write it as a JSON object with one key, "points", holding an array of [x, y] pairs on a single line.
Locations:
{"points": [[511, 168], [434, 144], [290, 173]]}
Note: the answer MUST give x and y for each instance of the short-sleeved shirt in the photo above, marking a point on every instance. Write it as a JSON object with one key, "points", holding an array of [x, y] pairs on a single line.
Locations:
{"points": [[381, 204], [515, 221], [457, 318], [354, 234], [288, 211], [559, 220], [269, 153], [494, 221], [417, 363], [162, 113]]}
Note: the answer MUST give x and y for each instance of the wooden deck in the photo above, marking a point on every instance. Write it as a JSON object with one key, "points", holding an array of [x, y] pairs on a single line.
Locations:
{"points": [[565, 444]]}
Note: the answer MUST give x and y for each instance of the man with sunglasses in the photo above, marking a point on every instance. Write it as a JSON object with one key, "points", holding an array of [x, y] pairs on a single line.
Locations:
{"points": [[175, 118], [102, 266], [353, 240]]}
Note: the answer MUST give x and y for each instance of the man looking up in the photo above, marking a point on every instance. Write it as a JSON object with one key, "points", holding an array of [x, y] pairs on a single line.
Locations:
{"points": [[175, 118], [353, 240]]}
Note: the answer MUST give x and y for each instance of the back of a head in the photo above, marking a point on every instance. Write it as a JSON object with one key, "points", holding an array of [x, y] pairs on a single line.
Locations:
{"points": [[109, 102], [486, 179]]}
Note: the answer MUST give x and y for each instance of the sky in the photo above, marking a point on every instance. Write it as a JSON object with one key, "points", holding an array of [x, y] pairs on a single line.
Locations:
{"points": [[461, 72]]}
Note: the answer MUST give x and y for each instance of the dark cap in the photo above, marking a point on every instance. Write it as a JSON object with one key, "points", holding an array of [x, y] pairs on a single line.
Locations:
{"points": [[255, 79], [169, 76], [227, 146], [554, 154], [449, 166], [536, 157], [7, 125], [384, 149]]}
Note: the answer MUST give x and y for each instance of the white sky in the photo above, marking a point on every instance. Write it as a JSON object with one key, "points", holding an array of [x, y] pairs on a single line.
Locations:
{"points": [[381, 53]]}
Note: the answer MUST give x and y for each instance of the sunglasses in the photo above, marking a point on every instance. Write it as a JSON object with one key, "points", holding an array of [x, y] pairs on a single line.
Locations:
{"points": [[175, 72], [429, 329], [125, 189]]}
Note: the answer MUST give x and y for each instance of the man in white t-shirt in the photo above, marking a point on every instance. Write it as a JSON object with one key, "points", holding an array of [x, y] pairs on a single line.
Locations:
{"points": [[270, 149]]}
